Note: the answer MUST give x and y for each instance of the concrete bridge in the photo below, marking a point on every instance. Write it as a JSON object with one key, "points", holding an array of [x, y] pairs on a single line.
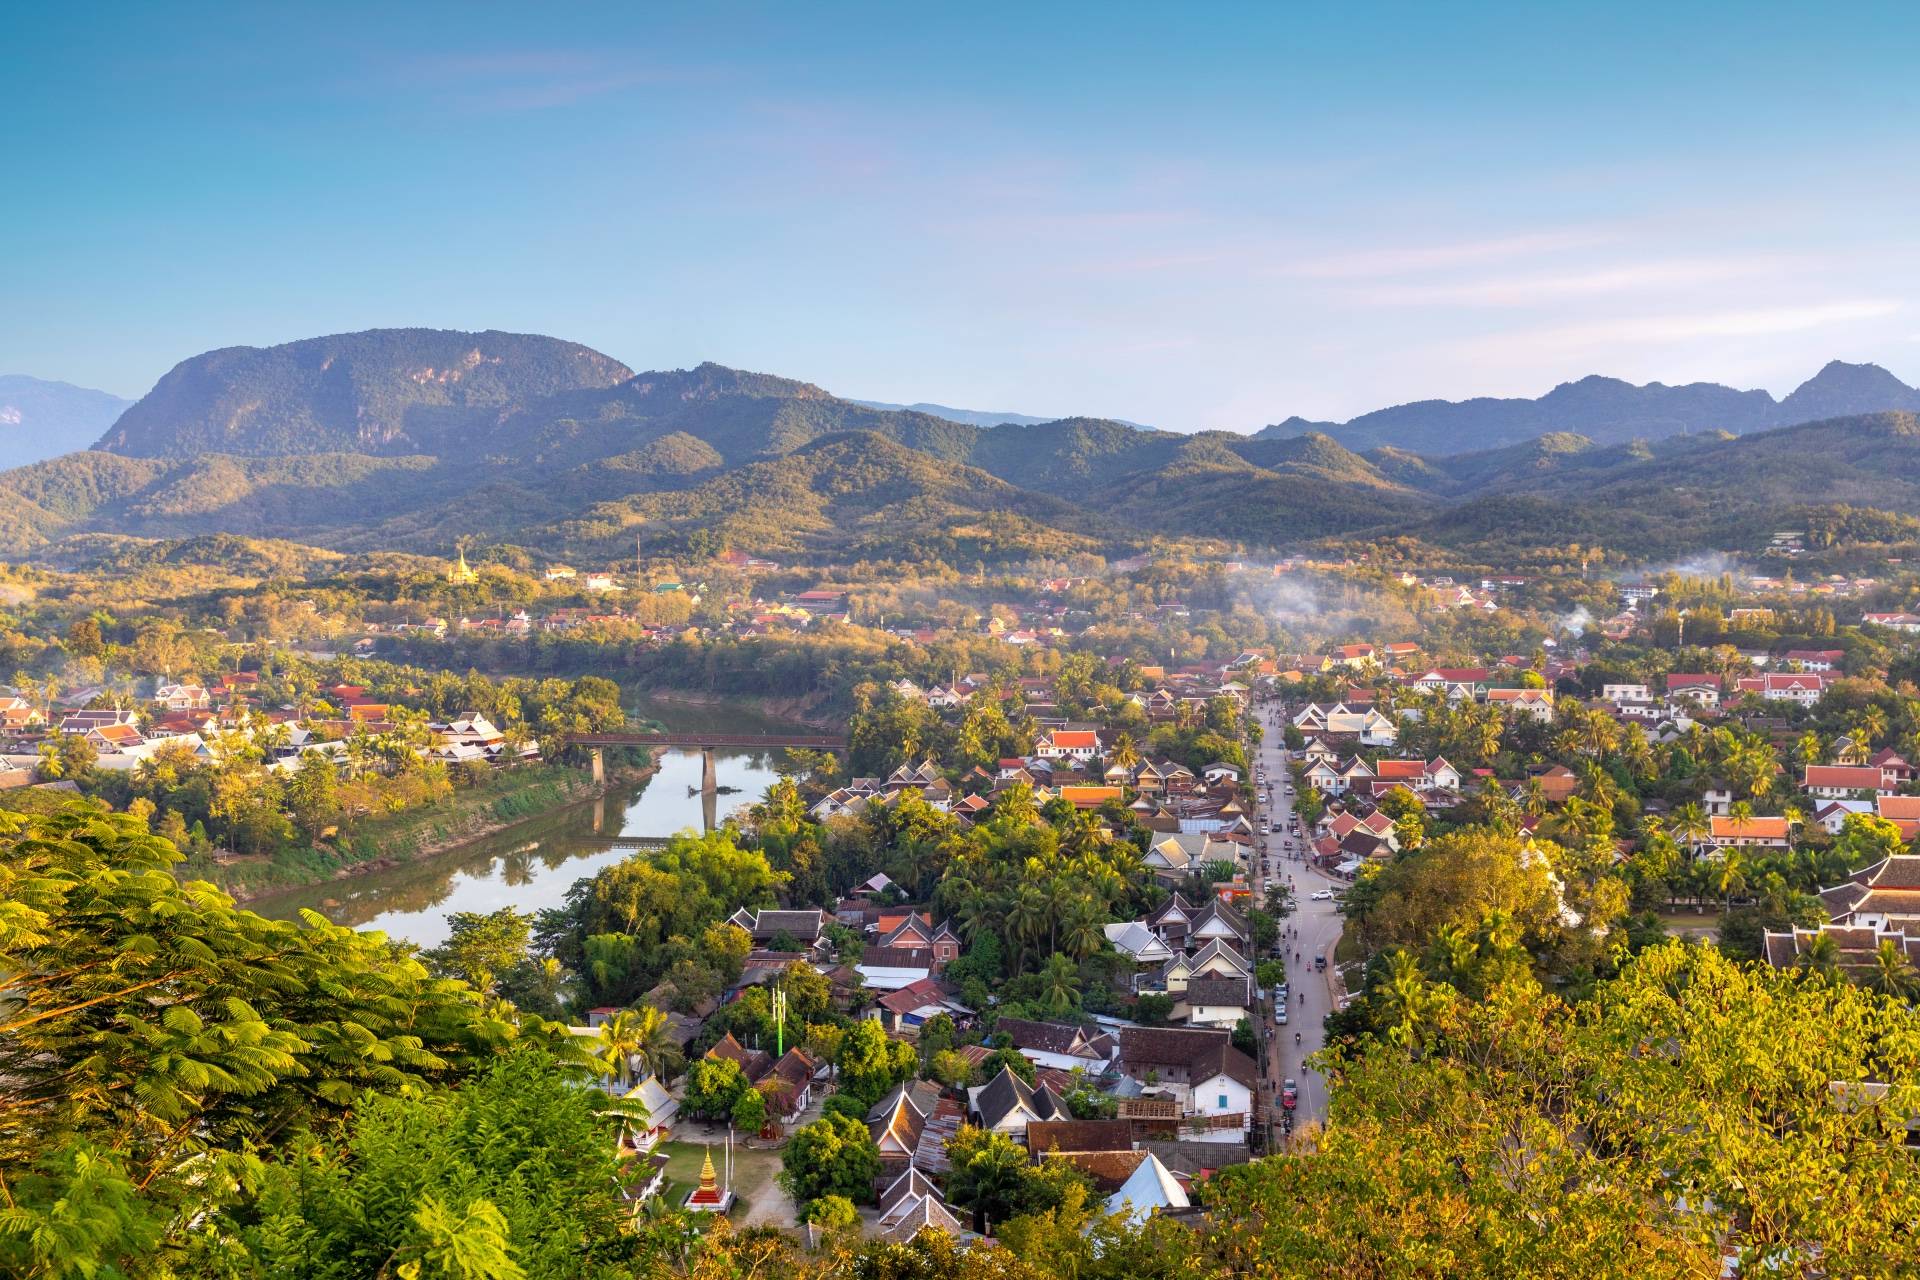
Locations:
{"points": [[706, 744]]}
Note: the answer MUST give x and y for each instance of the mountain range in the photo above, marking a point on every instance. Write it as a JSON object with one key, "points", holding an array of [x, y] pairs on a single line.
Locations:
{"points": [[977, 417], [1610, 411], [41, 419], [410, 439]]}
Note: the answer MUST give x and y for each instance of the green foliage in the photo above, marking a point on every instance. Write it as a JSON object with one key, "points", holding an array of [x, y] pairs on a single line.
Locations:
{"points": [[156, 1039], [833, 1156]]}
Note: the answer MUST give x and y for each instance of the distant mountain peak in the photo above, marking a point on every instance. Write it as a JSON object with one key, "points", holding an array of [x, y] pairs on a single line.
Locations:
{"points": [[1611, 411], [1842, 389]]}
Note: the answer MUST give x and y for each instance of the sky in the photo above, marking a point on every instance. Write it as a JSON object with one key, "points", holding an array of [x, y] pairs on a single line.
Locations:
{"points": [[1190, 216]]}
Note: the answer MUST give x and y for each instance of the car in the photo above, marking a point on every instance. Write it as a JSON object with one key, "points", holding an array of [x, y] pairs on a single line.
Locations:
{"points": [[1280, 1014], [1280, 994], [1323, 895], [1320, 963], [1289, 1094]]}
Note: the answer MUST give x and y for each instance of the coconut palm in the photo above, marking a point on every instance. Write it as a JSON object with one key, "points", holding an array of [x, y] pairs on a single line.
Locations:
{"points": [[1822, 957], [1730, 877], [1124, 753], [1893, 974], [634, 1034], [1690, 824], [1059, 985]]}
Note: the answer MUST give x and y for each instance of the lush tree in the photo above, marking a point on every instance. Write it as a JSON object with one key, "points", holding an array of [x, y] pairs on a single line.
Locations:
{"points": [[834, 1155], [870, 1062]]}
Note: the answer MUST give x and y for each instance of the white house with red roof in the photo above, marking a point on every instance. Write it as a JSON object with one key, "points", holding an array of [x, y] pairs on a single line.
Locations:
{"points": [[1068, 744]]}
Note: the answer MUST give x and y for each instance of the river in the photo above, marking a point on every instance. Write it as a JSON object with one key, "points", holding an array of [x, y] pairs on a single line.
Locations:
{"points": [[532, 864]]}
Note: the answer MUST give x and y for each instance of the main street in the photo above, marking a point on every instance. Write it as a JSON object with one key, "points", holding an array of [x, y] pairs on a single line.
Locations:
{"points": [[1312, 930]]}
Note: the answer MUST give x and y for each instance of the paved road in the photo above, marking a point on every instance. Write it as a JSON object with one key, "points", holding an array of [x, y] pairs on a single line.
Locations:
{"points": [[1314, 928]]}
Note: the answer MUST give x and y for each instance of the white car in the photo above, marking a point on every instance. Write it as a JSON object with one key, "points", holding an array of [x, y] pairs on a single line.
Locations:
{"points": [[1323, 895]]}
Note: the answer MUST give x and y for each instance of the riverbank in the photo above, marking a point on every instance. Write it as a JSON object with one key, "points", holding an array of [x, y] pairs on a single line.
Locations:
{"points": [[502, 802]]}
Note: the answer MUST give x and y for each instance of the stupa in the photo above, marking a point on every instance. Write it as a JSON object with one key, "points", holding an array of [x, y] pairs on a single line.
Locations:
{"points": [[709, 1196]]}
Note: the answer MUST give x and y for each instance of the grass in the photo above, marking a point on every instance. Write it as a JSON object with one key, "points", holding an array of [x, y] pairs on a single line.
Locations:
{"points": [[753, 1174]]}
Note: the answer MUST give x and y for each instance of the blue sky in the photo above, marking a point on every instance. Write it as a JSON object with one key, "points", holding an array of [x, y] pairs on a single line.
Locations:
{"points": [[1189, 216]]}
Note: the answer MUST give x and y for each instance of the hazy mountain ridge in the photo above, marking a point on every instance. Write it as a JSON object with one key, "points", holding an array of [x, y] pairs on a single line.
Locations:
{"points": [[557, 446], [44, 419], [378, 391], [1611, 411]]}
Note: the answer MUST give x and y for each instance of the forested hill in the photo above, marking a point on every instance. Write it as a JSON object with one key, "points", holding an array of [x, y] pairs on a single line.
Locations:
{"points": [[42, 419], [381, 391], [411, 439], [1610, 411]]}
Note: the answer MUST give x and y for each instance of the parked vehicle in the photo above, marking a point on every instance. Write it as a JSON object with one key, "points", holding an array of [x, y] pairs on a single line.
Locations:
{"points": [[1289, 1094]]}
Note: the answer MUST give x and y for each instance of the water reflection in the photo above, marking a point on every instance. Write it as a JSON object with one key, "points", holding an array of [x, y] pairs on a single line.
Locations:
{"points": [[532, 865]]}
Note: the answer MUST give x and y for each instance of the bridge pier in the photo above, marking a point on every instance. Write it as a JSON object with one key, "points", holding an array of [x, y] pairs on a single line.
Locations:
{"points": [[709, 779], [599, 767]]}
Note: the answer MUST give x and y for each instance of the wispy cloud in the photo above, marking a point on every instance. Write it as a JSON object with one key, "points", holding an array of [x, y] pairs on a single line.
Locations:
{"points": [[1751, 322], [1541, 288], [1386, 262]]}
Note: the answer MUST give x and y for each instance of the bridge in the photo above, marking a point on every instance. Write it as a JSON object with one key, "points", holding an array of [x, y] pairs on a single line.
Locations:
{"points": [[706, 744]]}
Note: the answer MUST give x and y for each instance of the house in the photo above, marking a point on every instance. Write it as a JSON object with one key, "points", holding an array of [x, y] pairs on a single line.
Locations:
{"points": [[1063, 1046], [1857, 946], [1895, 771], [182, 697], [1844, 782], [1215, 959], [1762, 833], [18, 715], [113, 739], [1701, 690], [1200, 1067], [1151, 1189], [1217, 1001], [1068, 1137], [1625, 692], [1815, 659], [1006, 1104], [1884, 896], [905, 1010], [892, 968], [1537, 703], [1909, 622], [1459, 684], [754, 1063], [1803, 687], [768, 928], [1068, 744], [788, 1085], [1351, 657], [896, 1122], [912, 1204], [662, 1108], [1220, 771], [1138, 942], [1415, 775]]}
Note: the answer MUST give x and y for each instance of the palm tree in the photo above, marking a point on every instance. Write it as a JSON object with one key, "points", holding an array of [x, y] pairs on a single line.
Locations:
{"points": [[1822, 957], [1124, 753], [1025, 921], [1731, 876], [1690, 824], [1893, 974], [1081, 934], [634, 1034], [1411, 1001], [1059, 984], [1873, 724], [1807, 750]]}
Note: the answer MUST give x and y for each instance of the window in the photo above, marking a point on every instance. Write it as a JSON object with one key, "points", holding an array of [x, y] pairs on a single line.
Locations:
{"points": [[1223, 1102]]}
